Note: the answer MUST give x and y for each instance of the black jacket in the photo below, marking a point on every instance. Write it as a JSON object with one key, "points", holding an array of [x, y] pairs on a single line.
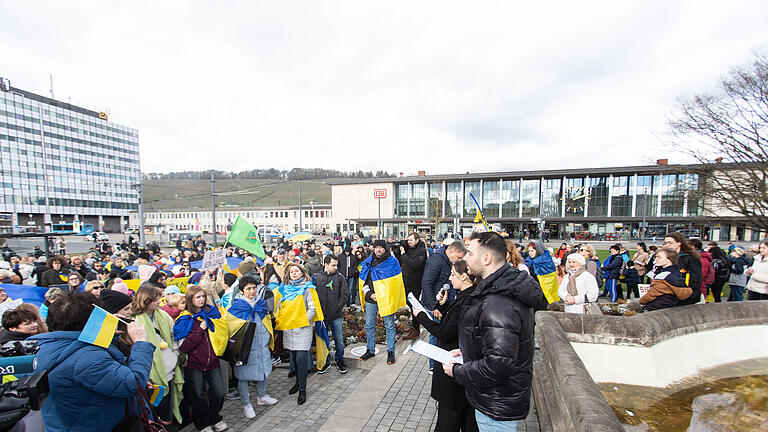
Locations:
{"points": [[348, 265], [444, 388], [436, 273], [334, 297], [412, 263], [8, 335], [496, 341], [690, 267]]}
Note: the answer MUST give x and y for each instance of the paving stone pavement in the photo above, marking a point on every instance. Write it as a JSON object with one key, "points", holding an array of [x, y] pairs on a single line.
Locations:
{"points": [[406, 406]]}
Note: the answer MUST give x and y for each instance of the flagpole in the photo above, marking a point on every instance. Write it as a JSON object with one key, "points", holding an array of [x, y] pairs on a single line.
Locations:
{"points": [[482, 217]]}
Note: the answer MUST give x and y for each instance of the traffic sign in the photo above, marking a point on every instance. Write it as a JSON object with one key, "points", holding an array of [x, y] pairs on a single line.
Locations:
{"points": [[379, 193]]}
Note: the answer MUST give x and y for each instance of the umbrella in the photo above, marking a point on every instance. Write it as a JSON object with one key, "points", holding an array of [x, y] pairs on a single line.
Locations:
{"points": [[300, 236]]}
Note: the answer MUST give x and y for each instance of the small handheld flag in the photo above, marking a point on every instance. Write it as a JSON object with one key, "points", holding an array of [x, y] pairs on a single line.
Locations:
{"points": [[100, 328], [157, 394]]}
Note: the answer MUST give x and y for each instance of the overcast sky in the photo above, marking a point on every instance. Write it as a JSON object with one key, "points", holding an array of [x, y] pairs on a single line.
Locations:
{"points": [[445, 87]]}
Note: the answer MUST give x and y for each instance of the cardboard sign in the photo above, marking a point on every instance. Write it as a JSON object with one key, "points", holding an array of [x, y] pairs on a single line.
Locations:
{"points": [[643, 289], [214, 259]]}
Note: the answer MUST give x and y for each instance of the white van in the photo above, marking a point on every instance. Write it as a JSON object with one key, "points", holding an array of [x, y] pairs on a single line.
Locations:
{"points": [[270, 234]]}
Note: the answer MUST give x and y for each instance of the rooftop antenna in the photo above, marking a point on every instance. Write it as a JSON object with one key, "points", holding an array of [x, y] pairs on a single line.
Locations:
{"points": [[51, 76]]}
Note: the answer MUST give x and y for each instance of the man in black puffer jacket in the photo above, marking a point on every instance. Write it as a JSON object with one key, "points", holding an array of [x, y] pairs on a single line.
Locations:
{"points": [[412, 260], [496, 336]]}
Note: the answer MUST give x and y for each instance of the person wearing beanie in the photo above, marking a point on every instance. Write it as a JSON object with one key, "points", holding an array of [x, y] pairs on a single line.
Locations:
{"points": [[348, 268], [116, 302], [579, 286], [120, 286]]}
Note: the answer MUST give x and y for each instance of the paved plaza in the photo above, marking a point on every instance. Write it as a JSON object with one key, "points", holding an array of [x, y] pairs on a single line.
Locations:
{"points": [[379, 398]]}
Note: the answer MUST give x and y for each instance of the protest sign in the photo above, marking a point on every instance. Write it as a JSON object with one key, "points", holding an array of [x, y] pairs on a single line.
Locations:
{"points": [[214, 259]]}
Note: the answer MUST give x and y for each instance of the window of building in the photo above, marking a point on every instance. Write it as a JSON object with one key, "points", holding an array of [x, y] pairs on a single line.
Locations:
{"points": [[673, 194], [647, 198], [621, 196], [417, 199], [510, 198], [530, 198], [403, 193], [550, 198], [473, 188], [453, 198], [575, 194], [436, 198], [598, 196], [491, 196]]}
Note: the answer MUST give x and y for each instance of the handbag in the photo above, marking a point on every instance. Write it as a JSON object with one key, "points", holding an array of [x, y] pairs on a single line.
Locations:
{"points": [[144, 410], [239, 345]]}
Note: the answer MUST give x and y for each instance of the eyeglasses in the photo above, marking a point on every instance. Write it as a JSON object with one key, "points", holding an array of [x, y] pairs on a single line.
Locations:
{"points": [[583, 250]]}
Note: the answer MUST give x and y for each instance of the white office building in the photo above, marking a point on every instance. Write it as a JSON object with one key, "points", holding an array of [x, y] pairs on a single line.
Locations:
{"points": [[62, 163]]}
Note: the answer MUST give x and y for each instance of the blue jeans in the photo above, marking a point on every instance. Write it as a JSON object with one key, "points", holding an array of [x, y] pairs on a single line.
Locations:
{"points": [[245, 396], [292, 367], [370, 328], [737, 293], [352, 291], [487, 424], [334, 327]]}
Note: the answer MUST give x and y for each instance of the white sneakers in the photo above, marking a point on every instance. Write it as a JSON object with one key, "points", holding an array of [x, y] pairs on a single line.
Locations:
{"points": [[220, 426], [206, 429], [266, 400], [248, 411]]}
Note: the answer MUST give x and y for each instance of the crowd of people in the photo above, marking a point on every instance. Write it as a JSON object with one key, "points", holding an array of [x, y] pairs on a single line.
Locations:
{"points": [[477, 298]]}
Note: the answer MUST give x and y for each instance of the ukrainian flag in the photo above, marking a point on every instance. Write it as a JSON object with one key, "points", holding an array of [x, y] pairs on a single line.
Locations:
{"points": [[546, 273], [322, 344], [157, 394], [100, 328], [221, 326], [290, 309], [388, 285]]}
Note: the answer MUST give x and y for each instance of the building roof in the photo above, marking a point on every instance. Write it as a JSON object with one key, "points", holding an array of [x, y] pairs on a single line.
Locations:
{"points": [[238, 209], [54, 102], [569, 172]]}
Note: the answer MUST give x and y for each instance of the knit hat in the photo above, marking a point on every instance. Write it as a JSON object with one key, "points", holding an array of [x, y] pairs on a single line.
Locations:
{"points": [[380, 242], [577, 257], [244, 267], [121, 287], [112, 301], [195, 278], [171, 289]]}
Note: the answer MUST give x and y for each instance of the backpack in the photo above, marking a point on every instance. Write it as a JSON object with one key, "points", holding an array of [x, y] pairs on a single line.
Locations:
{"points": [[599, 275], [721, 268]]}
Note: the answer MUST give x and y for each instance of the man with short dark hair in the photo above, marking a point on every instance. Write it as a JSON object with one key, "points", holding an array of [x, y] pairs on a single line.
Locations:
{"points": [[331, 289], [496, 336], [413, 256]]}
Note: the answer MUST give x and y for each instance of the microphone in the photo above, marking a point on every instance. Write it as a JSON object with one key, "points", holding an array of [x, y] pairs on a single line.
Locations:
{"points": [[446, 287], [18, 364]]}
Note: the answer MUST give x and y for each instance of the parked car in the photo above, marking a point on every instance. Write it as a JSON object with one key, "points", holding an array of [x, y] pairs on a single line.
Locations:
{"points": [[101, 236], [689, 233]]}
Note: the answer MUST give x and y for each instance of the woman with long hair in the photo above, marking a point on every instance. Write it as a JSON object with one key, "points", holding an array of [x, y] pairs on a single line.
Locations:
{"points": [[689, 263], [75, 281], [737, 280], [165, 369], [56, 273], [203, 367], [296, 309], [641, 258], [514, 258], [454, 412], [757, 287]]}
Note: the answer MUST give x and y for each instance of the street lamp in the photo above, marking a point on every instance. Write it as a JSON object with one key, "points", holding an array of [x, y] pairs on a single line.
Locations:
{"points": [[137, 187]]}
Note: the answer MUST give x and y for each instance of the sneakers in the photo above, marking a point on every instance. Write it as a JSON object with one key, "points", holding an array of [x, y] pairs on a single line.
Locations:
{"points": [[412, 334], [206, 429], [324, 369], [248, 411], [220, 426], [390, 357], [430, 371], [266, 400], [367, 355], [341, 366]]}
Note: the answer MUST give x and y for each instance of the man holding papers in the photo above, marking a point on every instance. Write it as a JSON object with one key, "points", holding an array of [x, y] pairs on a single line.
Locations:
{"points": [[496, 336], [454, 413]]}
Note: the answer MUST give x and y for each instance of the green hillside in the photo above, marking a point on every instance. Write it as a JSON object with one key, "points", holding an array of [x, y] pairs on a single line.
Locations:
{"points": [[178, 194]]}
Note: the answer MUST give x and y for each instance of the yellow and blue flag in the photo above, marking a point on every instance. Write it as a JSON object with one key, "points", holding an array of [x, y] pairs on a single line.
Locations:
{"points": [[157, 394], [479, 217], [388, 286], [322, 344], [290, 306], [221, 326], [100, 328], [546, 272]]}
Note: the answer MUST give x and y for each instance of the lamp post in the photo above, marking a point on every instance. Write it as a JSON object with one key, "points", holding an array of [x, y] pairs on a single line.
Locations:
{"points": [[137, 187]]}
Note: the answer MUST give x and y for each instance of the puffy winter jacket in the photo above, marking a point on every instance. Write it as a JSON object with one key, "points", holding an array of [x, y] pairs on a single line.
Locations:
{"points": [[496, 341], [90, 385], [690, 267], [412, 263], [437, 270], [613, 269]]}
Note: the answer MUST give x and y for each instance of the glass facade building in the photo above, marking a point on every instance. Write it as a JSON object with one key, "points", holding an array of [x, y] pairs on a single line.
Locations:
{"points": [[62, 163]]}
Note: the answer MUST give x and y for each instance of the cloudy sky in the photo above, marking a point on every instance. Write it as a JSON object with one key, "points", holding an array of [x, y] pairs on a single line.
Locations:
{"points": [[439, 86]]}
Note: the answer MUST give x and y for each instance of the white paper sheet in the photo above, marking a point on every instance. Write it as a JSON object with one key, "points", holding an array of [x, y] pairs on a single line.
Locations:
{"points": [[414, 302], [435, 353]]}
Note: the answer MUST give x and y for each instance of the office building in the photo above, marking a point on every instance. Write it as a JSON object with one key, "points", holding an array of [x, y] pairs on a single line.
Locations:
{"points": [[63, 163]]}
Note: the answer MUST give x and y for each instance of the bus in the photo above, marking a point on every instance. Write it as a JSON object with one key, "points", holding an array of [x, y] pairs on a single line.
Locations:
{"points": [[72, 228], [183, 235]]}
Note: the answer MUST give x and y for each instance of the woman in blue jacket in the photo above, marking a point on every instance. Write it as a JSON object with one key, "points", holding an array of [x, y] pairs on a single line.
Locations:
{"points": [[612, 272], [90, 385]]}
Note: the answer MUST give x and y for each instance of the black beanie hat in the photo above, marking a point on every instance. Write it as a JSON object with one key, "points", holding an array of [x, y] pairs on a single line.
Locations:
{"points": [[113, 301], [380, 242]]}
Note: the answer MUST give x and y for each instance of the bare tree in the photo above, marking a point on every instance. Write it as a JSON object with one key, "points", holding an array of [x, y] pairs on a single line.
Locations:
{"points": [[726, 133]]}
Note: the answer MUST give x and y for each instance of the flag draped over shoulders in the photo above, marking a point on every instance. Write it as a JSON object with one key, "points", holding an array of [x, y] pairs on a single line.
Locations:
{"points": [[290, 305], [546, 273], [387, 279], [220, 326]]}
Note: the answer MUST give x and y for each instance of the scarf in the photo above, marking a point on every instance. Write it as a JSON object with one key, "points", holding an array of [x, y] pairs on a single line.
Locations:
{"points": [[572, 291], [292, 289], [245, 310], [184, 322]]}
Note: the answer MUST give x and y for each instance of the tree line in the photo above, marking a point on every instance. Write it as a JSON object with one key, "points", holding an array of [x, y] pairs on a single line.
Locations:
{"points": [[269, 174]]}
